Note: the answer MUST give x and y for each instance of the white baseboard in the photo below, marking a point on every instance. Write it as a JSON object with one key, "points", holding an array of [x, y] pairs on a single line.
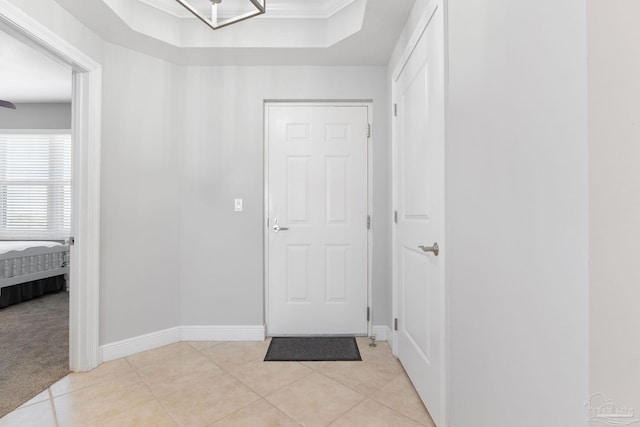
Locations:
{"points": [[157, 339], [138, 344], [382, 333], [222, 333]]}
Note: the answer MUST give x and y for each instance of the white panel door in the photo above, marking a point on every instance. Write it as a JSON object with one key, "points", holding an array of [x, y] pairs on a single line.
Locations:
{"points": [[317, 219], [419, 190]]}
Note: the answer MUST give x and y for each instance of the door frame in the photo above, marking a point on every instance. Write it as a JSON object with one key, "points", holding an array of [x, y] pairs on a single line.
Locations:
{"points": [[413, 41], [84, 351], [265, 239]]}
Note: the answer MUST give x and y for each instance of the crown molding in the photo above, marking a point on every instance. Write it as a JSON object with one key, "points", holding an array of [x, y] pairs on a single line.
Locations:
{"points": [[276, 9]]}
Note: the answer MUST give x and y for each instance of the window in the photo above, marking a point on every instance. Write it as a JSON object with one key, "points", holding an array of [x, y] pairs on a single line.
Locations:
{"points": [[35, 186]]}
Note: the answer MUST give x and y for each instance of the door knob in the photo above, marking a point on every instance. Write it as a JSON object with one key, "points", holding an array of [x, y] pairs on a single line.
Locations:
{"points": [[435, 249], [277, 228]]}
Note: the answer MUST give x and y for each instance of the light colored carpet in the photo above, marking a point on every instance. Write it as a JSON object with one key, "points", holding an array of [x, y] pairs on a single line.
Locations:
{"points": [[34, 348]]}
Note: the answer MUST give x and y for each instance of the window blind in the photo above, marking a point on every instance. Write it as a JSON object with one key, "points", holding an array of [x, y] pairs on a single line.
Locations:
{"points": [[35, 186]]}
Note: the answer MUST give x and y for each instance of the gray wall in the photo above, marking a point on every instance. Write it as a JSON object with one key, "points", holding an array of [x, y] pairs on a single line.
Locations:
{"points": [[221, 122], [614, 136], [140, 262], [37, 116], [179, 144]]}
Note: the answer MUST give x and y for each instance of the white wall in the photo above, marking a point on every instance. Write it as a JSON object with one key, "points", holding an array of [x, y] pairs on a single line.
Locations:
{"points": [[517, 200], [614, 134], [516, 211], [37, 116], [222, 123], [139, 280]]}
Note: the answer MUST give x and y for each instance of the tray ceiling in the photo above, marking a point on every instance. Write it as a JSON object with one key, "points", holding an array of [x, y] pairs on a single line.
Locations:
{"points": [[292, 32], [292, 9]]}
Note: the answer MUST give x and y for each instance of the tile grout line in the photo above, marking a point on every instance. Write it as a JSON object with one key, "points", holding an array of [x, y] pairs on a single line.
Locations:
{"points": [[210, 360], [277, 389], [370, 397], [328, 378], [261, 397], [252, 403], [155, 397], [107, 418], [395, 410], [281, 411], [92, 384], [344, 383], [398, 412], [348, 410], [242, 368], [53, 407], [364, 398]]}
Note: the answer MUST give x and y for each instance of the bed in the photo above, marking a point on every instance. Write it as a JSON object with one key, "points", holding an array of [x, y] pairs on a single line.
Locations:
{"points": [[30, 269]]}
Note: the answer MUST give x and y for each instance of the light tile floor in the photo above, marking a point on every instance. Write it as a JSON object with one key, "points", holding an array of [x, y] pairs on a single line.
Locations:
{"points": [[228, 384]]}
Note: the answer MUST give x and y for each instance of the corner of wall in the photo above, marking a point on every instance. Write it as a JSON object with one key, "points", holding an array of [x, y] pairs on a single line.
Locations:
{"points": [[157, 339]]}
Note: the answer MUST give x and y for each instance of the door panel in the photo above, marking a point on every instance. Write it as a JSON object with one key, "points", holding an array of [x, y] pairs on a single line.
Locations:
{"points": [[297, 196], [337, 171], [415, 155], [317, 175], [297, 274], [337, 277], [419, 189], [416, 317]]}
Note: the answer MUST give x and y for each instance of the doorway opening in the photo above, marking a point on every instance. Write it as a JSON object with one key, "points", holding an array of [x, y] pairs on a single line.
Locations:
{"points": [[85, 222], [35, 220]]}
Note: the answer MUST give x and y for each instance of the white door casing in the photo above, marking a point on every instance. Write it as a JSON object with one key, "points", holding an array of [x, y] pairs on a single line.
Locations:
{"points": [[317, 191], [84, 352], [419, 276]]}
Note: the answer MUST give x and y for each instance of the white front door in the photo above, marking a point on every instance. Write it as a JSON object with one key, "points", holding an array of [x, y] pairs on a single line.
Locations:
{"points": [[419, 190], [317, 219]]}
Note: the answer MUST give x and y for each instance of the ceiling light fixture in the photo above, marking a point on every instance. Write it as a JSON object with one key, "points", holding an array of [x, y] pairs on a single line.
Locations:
{"points": [[216, 19], [7, 104]]}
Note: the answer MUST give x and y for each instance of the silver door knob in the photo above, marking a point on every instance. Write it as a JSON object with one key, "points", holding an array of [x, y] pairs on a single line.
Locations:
{"points": [[435, 249], [277, 228]]}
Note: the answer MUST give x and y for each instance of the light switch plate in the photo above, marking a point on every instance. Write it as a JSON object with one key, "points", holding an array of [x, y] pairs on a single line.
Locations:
{"points": [[238, 205]]}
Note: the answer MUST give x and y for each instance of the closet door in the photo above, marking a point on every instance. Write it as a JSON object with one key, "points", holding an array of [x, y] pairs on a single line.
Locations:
{"points": [[419, 233]]}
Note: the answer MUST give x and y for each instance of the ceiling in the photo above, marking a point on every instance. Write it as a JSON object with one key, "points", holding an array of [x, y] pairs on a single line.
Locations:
{"points": [[277, 8], [292, 32], [27, 75]]}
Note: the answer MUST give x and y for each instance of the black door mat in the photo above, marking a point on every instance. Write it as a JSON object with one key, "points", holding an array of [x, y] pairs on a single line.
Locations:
{"points": [[312, 349]]}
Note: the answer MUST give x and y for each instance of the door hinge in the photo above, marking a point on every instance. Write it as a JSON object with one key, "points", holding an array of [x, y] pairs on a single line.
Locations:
{"points": [[395, 110], [368, 314], [395, 324], [368, 130], [395, 216], [368, 222]]}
